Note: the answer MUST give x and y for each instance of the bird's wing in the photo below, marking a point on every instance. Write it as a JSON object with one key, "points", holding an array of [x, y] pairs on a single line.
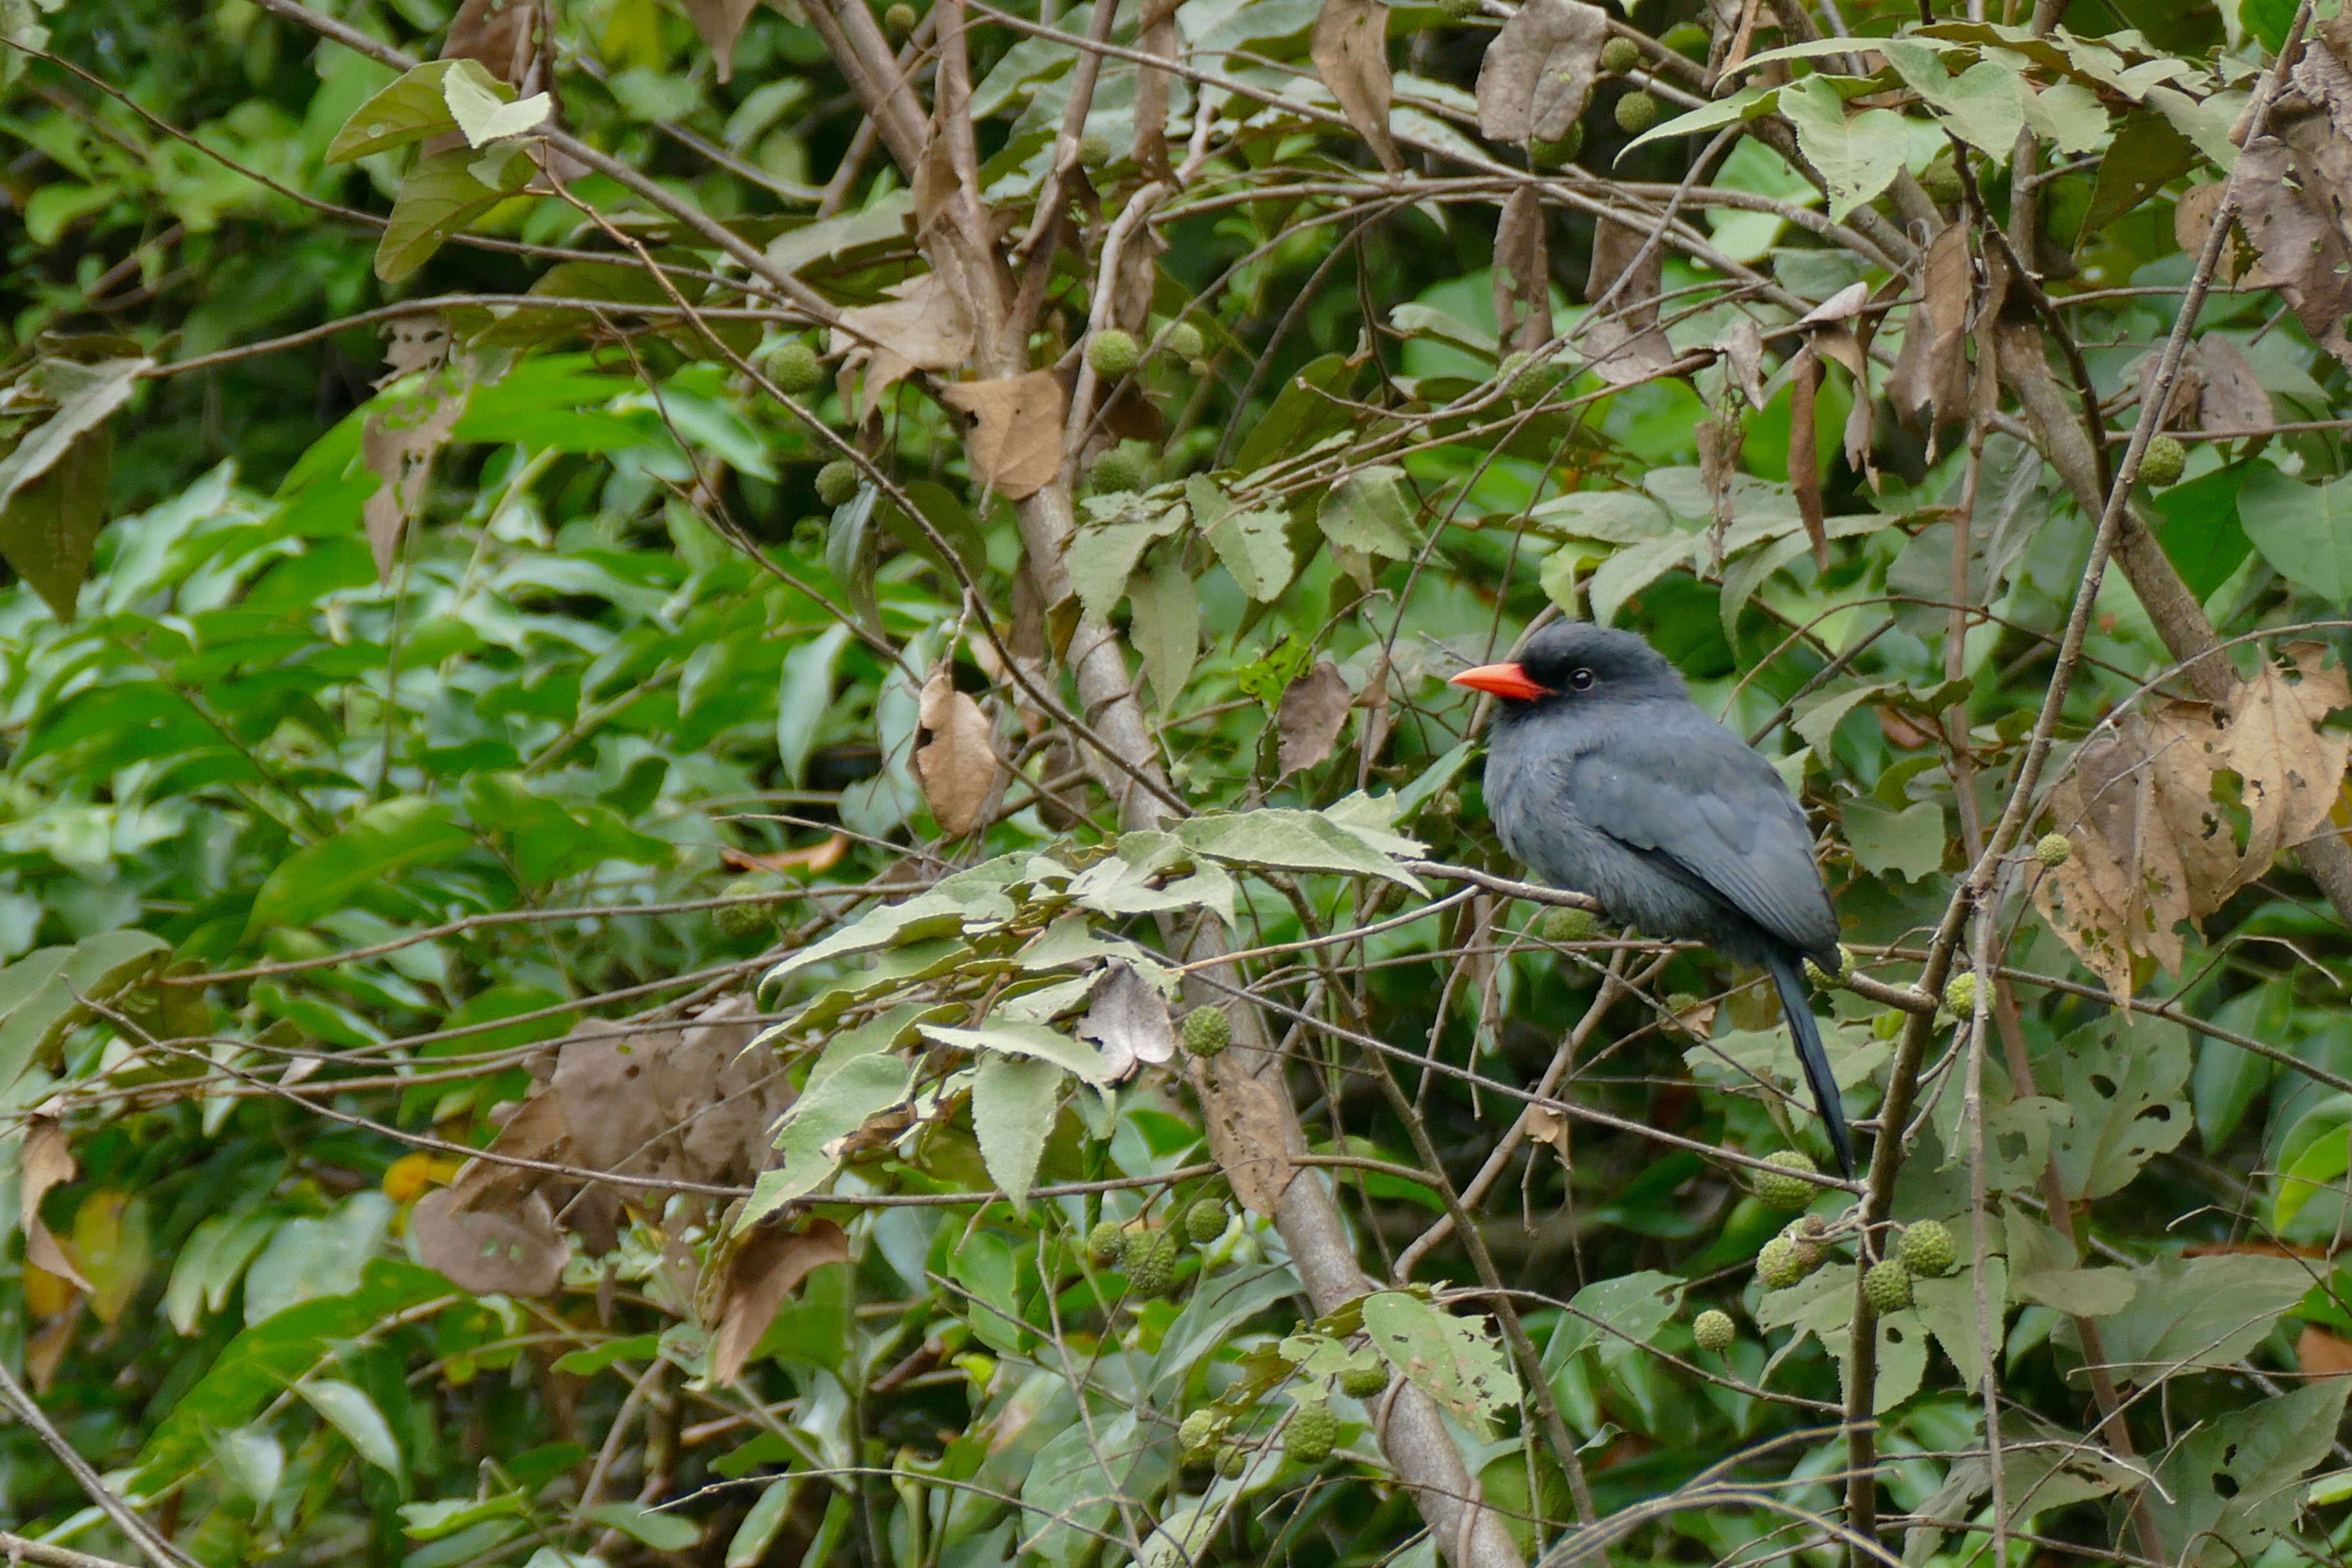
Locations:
{"points": [[1689, 792]]}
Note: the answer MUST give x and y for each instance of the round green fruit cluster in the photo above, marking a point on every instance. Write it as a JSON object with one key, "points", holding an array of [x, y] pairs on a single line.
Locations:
{"points": [[1113, 353], [1790, 1195], [1207, 1031], [837, 481], [1714, 1330]]}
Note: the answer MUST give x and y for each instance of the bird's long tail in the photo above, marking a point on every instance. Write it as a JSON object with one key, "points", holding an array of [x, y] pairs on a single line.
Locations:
{"points": [[1798, 1007]]}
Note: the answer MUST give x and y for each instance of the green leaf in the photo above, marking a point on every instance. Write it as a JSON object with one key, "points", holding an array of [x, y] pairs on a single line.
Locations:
{"points": [[49, 529], [380, 841], [1253, 544], [1075, 1482], [2230, 1489], [408, 110], [1369, 511], [1031, 1040], [47, 994], [2304, 531], [314, 1257], [1288, 841], [439, 196], [252, 1460], [354, 1415], [2125, 1078], [2317, 1151], [2068, 115], [2079, 1293], [1013, 1100], [1451, 1359], [1949, 1308], [445, 1517], [803, 698], [258, 1364], [1101, 556], [662, 1531], [209, 1265], [1748, 104], [1984, 105], [859, 1089], [1617, 1316], [1165, 627], [1907, 843], [588, 1363], [2146, 155], [1857, 159], [2199, 1312], [1220, 1304], [750, 1543]]}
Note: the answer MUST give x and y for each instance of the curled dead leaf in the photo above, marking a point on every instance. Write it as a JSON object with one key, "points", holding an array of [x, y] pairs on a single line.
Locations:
{"points": [[2286, 206], [1621, 337], [1128, 1019], [955, 754], [1929, 385], [45, 1160], [513, 1249], [1522, 273], [762, 1266], [922, 326], [1247, 1121], [2234, 397]]}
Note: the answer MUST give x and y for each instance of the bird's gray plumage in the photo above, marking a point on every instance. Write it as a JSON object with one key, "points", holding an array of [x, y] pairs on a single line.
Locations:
{"points": [[1619, 785]]}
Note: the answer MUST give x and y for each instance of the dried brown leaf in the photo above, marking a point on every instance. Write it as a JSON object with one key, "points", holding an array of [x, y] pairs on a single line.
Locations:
{"points": [[1622, 338], [2125, 888], [2289, 769], [1015, 444], [720, 23], [419, 341], [1350, 51], [1128, 1019], [399, 446], [1245, 1122], [1929, 385], [955, 753], [512, 1250], [1522, 272], [1538, 73], [2233, 398], [1313, 711], [2321, 1355], [1804, 452], [1743, 355], [2188, 388], [762, 1269], [2287, 208], [44, 1159], [922, 326], [505, 36]]}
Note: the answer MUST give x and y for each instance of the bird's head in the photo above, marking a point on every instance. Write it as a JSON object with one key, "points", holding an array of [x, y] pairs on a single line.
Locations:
{"points": [[1575, 662]]}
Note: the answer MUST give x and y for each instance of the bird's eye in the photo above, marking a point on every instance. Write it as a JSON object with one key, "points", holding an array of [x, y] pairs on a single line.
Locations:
{"points": [[1582, 680]]}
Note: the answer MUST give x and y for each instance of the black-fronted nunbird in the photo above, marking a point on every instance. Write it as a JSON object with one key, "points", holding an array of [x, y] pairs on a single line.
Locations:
{"points": [[1604, 777]]}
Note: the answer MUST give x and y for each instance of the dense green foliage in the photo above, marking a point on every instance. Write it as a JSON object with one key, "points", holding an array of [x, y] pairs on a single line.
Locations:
{"points": [[690, 703]]}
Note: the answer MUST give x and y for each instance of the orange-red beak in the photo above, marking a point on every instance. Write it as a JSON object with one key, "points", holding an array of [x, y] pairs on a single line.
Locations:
{"points": [[1502, 680]]}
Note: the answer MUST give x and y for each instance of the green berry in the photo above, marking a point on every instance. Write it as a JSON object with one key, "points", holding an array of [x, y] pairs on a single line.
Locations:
{"points": [[1618, 56], [1961, 995], [1200, 1431], [1556, 154], [1534, 380], [1113, 353], [795, 369], [1205, 1221], [1888, 1286], [1207, 1031], [1681, 1002], [1364, 1381], [1941, 181], [1777, 1267], [899, 20], [1790, 1195], [1118, 469], [1714, 1330], [2161, 464], [837, 481], [736, 921], [1561, 923], [1093, 150], [1231, 1460], [1312, 1434], [1135, 1247], [1185, 341], [1155, 1273], [2053, 849], [1636, 112], [1926, 1249], [1106, 1244], [1461, 10]]}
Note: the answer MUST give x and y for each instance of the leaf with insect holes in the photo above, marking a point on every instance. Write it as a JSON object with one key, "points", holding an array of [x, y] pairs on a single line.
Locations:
{"points": [[1453, 1360]]}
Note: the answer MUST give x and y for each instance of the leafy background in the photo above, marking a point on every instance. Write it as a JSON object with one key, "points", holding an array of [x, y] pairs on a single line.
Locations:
{"points": [[443, 720]]}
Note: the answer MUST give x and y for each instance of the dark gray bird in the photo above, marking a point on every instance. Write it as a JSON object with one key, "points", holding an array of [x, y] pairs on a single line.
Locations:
{"points": [[1603, 776]]}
